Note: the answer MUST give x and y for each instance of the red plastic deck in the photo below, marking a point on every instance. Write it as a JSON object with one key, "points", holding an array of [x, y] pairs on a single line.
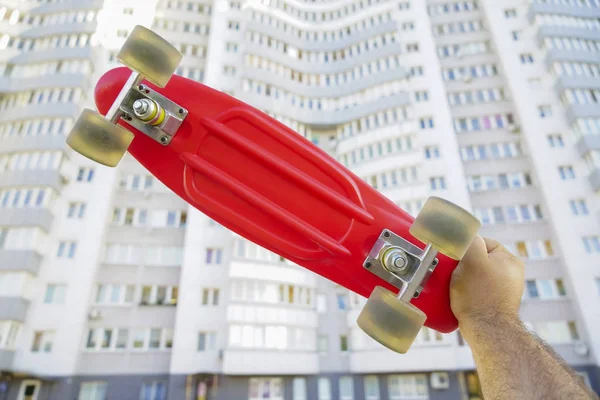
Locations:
{"points": [[266, 182]]}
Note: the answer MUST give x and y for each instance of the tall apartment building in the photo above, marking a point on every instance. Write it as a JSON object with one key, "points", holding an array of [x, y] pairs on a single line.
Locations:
{"points": [[111, 287]]}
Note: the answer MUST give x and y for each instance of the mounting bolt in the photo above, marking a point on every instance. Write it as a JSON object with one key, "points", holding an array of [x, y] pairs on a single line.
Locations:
{"points": [[417, 292], [395, 260], [141, 107], [164, 139]]}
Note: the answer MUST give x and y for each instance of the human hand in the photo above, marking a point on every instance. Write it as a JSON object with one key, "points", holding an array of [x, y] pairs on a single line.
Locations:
{"points": [[487, 285]]}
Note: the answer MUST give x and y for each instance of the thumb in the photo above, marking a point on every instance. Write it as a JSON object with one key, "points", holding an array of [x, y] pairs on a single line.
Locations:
{"points": [[476, 252]]}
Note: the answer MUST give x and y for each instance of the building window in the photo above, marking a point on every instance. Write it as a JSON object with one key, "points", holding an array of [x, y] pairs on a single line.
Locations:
{"points": [[556, 332], [265, 389], [510, 13], [412, 47], [214, 256], [555, 141], [545, 111], [42, 341], [566, 172], [437, 183], [432, 152], [76, 210], [579, 207], [210, 297], [66, 249], [342, 300], [29, 390], [128, 11], [92, 391], [516, 35], [426, 123], [591, 244], [55, 294], [343, 343], [411, 387], [159, 295], [545, 288], [207, 341], [346, 388], [371, 387], [323, 344], [154, 390], [526, 58], [421, 96], [85, 175], [299, 389], [324, 388]]}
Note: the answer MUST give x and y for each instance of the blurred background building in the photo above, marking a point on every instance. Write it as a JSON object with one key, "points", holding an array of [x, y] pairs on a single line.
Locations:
{"points": [[112, 287]]}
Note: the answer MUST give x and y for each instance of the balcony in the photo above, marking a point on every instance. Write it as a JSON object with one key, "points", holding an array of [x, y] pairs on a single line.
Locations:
{"points": [[375, 135], [306, 66], [31, 111], [6, 359], [577, 111], [12, 85], [27, 217], [20, 260], [588, 143], [302, 89], [13, 144], [256, 363], [52, 178], [419, 358], [576, 82], [56, 7], [281, 273], [271, 315], [565, 31], [571, 55], [594, 179], [13, 309], [338, 44], [68, 28], [130, 362], [38, 56], [325, 118], [560, 9], [385, 163], [533, 310]]}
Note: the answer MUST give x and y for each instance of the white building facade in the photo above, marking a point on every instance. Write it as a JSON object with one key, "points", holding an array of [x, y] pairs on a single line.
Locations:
{"points": [[112, 287]]}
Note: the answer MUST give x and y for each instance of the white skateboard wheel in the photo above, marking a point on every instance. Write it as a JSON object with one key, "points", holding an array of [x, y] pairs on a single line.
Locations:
{"points": [[390, 321], [150, 55], [96, 138], [448, 227]]}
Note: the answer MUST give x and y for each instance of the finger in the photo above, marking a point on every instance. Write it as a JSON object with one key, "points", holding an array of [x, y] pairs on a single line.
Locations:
{"points": [[493, 245], [476, 251]]}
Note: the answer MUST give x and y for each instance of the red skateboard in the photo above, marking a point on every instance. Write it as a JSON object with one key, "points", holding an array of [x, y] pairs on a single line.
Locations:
{"points": [[264, 181]]}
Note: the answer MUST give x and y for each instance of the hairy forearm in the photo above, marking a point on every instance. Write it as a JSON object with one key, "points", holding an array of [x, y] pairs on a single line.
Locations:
{"points": [[513, 364]]}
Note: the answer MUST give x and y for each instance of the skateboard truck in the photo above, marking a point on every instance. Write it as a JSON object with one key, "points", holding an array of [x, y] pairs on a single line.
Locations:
{"points": [[149, 57], [147, 110], [401, 264], [391, 319]]}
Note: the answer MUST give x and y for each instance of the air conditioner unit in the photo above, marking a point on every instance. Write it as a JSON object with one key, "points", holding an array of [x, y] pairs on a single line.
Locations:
{"points": [[581, 349], [95, 314], [467, 78], [440, 380], [513, 128]]}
